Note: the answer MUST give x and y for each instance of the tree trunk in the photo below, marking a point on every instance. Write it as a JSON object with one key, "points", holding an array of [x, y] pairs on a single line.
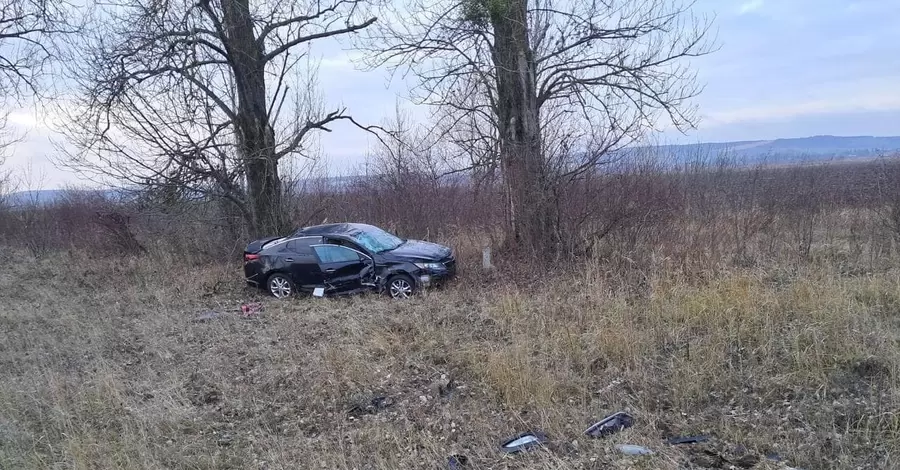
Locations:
{"points": [[530, 215], [256, 138]]}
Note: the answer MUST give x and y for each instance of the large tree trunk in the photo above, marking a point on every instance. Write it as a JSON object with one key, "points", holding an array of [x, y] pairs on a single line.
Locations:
{"points": [[530, 215], [255, 134]]}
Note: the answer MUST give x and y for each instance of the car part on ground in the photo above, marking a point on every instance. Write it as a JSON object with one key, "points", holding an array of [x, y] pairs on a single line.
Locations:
{"points": [[610, 424], [631, 449], [457, 462], [524, 442], [687, 440]]}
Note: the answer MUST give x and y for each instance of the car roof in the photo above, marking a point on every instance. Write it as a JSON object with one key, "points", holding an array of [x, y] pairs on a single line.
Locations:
{"points": [[347, 229]]}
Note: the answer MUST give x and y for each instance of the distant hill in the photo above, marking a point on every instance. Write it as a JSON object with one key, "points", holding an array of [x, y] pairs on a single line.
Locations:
{"points": [[816, 148], [779, 151], [50, 196]]}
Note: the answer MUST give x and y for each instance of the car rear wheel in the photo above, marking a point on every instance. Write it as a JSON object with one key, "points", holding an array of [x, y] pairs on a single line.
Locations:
{"points": [[280, 286], [401, 286]]}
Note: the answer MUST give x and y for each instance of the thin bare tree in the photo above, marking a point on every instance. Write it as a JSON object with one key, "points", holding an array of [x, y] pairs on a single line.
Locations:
{"points": [[27, 32], [563, 84], [205, 97]]}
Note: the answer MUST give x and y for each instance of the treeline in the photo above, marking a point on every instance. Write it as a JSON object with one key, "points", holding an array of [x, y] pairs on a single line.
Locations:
{"points": [[701, 217]]}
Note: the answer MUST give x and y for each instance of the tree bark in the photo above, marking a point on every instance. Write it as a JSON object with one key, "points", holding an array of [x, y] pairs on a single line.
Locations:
{"points": [[256, 137], [530, 218]]}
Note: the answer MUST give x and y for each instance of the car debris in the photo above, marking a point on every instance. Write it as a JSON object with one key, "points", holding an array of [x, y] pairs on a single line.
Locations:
{"points": [[252, 309], [372, 406], [523, 442], [716, 454], [631, 449], [457, 462], [687, 440], [610, 425]]}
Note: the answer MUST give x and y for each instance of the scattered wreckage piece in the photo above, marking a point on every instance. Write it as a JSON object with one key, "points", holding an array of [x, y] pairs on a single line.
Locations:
{"points": [[631, 449], [371, 406], [717, 454], [524, 442], [457, 462], [610, 425], [252, 309], [687, 440]]}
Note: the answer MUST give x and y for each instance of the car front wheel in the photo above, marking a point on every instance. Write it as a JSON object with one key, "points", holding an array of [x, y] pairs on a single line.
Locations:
{"points": [[401, 286], [280, 286]]}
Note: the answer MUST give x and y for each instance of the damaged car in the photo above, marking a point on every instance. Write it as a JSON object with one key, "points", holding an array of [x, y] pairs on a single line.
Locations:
{"points": [[345, 258]]}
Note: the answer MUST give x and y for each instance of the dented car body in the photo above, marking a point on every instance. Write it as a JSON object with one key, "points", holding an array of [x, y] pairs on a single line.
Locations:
{"points": [[345, 258]]}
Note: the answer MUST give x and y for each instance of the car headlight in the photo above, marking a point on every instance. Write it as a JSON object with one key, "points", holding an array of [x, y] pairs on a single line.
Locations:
{"points": [[430, 266]]}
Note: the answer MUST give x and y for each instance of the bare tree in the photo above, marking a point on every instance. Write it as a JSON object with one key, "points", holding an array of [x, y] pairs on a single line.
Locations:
{"points": [[564, 84], [205, 97], [27, 29], [25, 46]]}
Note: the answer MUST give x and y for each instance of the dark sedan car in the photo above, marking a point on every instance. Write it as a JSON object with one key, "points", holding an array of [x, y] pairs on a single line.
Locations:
{"points": [[344, 259]]}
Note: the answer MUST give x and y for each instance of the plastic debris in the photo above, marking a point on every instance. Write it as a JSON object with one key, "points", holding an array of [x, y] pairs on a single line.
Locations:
{"points": [[631, 449], [457, 462], [610, 425], [251, 310], [372, 406], [687, 440], [523, 442]]}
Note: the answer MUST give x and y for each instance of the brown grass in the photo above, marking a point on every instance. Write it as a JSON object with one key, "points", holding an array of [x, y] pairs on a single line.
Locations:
{"points": [[761, 306], [103, 366]]}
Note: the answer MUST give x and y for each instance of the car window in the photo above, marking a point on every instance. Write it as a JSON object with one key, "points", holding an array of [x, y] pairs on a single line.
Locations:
{"points": [[302, 245], [338, 241], [335, 254], [377, 240]]}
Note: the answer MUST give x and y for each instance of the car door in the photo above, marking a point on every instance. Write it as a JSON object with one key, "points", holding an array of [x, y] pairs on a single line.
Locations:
{"points": [[341, 266], [302, 264]]}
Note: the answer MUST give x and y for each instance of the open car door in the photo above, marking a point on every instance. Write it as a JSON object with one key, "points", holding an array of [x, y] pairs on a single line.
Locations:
{"points": [[343, 268]]}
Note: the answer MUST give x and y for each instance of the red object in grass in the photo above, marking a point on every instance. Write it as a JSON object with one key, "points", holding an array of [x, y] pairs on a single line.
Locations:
{"points": [[251, 309]]}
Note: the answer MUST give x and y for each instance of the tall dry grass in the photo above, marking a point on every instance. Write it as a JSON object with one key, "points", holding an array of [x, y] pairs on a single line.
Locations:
{"points": [[760, 306], [103, 366]]}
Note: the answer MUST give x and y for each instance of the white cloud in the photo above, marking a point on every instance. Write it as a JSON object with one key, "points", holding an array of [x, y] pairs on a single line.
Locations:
{"points": [[872, 101], [23, 119], [749, 7]]}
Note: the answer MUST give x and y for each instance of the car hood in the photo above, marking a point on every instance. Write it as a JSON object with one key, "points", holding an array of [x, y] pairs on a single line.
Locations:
{"points": [[418, 249]]}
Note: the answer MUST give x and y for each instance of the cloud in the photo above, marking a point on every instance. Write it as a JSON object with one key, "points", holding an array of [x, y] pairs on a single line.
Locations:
{"points": [[749, 7], [870, 102], [24, 119]]}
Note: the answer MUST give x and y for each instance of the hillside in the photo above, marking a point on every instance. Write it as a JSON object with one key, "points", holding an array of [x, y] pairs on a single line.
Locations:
{"points": [[815, 148], [822, 147]]}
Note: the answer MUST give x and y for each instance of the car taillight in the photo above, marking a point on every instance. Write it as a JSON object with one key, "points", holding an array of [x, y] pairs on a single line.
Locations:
{"points": [[250, 257]]}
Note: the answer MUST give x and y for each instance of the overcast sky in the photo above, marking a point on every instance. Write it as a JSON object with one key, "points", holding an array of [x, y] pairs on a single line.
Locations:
{"points": [[786, 68]]}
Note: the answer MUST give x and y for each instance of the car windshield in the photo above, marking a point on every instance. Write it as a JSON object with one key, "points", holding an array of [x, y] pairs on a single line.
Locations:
{"points": [[376, 240]]}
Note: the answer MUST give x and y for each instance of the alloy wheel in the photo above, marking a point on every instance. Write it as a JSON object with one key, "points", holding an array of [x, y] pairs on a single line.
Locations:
{"points": [[280, 287], [401, 288]]}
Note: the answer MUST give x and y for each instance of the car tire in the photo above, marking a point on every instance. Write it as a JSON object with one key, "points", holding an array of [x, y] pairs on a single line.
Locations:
{"points": [[280, 286], [400, 286]]}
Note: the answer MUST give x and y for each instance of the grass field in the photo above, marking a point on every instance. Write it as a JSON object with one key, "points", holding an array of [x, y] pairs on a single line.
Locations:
{"points": [[103, 365]]}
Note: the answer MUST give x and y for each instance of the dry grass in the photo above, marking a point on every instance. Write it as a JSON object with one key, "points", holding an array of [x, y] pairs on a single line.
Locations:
{"points": [[102, 366]]}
